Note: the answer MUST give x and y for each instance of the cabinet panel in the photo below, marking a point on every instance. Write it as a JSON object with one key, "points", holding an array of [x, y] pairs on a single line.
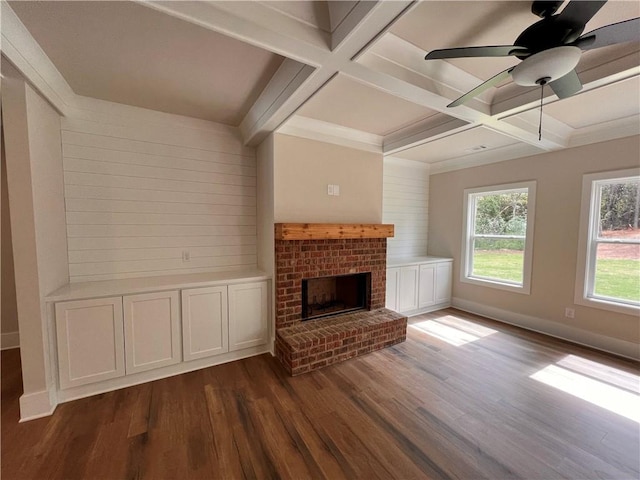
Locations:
{"points": [[248, 315], [444, 274], [426, 295], [90, 341], [408, 292], [152, 331], [393, 282], [205, 326]]}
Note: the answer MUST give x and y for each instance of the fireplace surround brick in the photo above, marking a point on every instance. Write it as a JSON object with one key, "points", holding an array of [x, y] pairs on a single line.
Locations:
{"points": [[305, 346], [298, 259]]}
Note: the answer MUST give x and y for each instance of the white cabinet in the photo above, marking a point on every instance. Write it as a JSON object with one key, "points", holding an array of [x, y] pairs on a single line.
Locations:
{"points": [[426, 291], [153, 335], [393, 284], [90, 341], [408, 297], [444, 278], [205, 326], [419, 285], [248, 315], [152, 331]]}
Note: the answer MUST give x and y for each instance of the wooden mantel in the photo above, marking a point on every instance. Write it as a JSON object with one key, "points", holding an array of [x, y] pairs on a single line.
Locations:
{"points": [[328, 231]]}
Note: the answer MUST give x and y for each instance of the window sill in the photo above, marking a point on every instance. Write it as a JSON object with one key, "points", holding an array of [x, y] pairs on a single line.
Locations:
{"points": [[509, 287], [608, 305]]}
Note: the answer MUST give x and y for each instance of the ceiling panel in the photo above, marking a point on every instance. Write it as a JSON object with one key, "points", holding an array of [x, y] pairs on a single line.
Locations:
{"points": [[618, 100], [352, 104], [127, 53], [468, 142]]}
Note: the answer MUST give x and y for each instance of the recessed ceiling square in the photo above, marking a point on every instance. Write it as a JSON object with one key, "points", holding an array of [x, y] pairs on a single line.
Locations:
{"points": [[352, 104]]}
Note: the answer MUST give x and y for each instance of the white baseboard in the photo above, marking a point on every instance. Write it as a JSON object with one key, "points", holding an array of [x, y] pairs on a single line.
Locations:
{"points": [[9, 340], [36, 405], [616, 346]]}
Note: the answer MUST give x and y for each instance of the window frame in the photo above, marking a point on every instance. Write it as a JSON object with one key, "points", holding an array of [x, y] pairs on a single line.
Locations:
{"points": [[468, 234], [588, 243]]}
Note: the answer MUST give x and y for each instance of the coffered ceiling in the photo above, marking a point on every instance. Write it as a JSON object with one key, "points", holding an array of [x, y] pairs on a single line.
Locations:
{"points": [[352, 72]]}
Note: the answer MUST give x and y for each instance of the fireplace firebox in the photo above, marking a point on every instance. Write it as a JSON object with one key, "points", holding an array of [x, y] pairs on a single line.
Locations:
{"points": [[325, 296]]}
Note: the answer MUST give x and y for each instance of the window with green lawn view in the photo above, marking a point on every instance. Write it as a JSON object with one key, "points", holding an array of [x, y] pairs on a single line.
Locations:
{"points": [[498, 236], [612, 260]]}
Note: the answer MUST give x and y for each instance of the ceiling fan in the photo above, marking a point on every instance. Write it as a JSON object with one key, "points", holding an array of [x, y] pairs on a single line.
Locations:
{"points": [[549, 49]]}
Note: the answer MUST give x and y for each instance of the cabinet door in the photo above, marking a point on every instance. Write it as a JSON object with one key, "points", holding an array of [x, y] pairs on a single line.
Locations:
{"points": [[248, 315], [408, 292], [393, 282], [90, 341], [444, 273], [426, 295], [205, 325], [152, 331]]}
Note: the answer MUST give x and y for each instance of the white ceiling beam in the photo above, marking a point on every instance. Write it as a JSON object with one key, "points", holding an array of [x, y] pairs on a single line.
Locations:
{"points": [[416, 134], [433, 101], [21, 49]]}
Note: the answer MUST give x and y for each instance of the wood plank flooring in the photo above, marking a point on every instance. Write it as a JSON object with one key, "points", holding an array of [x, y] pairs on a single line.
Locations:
{"points": [[426, 408]]}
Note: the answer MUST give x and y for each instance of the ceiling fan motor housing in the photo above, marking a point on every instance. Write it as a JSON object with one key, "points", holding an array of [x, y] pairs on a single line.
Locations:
{"points": [[553, 64], [548, 33]]}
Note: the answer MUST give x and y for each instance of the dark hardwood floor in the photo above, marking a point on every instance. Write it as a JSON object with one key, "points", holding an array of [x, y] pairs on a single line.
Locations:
{"points": [[426, 408]]}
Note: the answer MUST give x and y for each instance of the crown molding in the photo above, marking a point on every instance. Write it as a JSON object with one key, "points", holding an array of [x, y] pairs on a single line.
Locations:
{"points": [[495, 155], [305, 127]]}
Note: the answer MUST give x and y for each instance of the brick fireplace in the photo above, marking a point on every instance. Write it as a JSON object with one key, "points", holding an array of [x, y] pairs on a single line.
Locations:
{"points": [[312, 251]]}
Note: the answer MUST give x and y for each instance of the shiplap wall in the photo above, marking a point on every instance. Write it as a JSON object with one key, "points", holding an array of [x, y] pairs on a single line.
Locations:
{"points": [[138, 196], [405, 204]]}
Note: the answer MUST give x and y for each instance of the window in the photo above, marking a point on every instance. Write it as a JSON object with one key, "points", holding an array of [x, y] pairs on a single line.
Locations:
{"points": [[608, 274], [498, 240]]}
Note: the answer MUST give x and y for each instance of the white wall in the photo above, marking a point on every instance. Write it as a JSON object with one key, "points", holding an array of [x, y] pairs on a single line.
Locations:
{"points": [[9, 315], [266, 244], [139, 193], [34, 174], [558, 195], [302, 170], [405, 204]]}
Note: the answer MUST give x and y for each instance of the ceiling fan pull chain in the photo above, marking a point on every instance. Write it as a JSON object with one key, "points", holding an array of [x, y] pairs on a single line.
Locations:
{"points": [[540, 123]]}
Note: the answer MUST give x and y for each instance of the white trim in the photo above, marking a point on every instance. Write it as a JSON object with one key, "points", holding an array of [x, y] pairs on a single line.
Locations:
{"points": [[579, 336], [585, 254], [305, 127], [469, 225], [10, 340], [36, 405]]}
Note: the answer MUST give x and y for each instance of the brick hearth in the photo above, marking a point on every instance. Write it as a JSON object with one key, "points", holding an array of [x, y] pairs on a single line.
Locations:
{"points": [[304, 346], [318, 343]]}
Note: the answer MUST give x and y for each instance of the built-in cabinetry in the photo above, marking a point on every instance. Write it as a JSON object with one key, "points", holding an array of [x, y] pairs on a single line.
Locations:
{"points": [[159, 333], [419, 285]]}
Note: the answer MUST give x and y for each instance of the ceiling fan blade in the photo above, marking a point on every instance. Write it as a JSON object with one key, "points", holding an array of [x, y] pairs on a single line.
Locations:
{"points": [[493, 51], [627, 31], [566, 86], [579, 12], [495, 80]]}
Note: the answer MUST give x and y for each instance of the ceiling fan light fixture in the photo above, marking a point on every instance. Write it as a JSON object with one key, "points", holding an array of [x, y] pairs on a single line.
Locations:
{"points": [[553, 63]]}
